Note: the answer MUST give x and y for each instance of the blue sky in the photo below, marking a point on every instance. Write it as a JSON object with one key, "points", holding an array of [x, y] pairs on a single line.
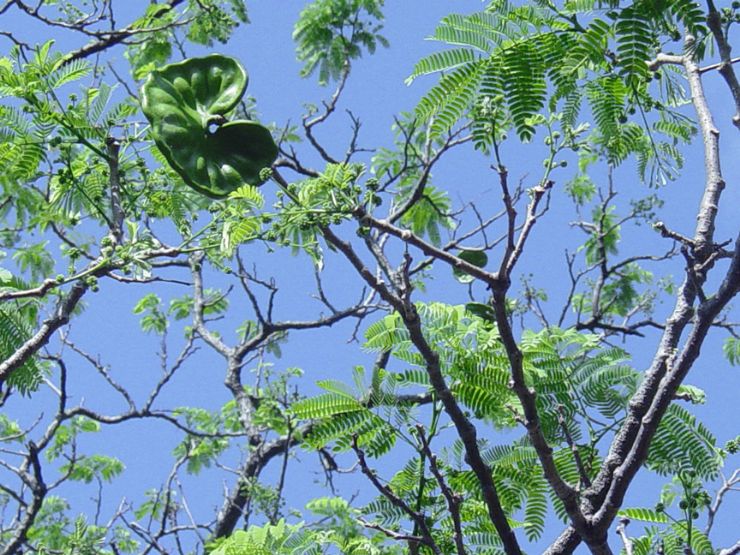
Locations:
{"points": [[375, 93]]}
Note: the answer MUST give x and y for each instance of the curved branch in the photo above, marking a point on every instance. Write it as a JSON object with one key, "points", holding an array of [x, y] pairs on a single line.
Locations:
{"points": [[42, 336]]}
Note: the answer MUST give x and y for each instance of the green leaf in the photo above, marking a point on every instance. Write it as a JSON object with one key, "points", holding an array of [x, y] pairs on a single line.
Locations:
{"points": [[87, 468], [183, 102], [476, 257], [15, 329], [325, 405], [331, 33], [731, 349], [481, 310], [645, 515], [634, 42]]}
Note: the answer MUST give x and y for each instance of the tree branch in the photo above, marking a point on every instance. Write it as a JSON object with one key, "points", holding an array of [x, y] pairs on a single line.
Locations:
{"points": [[418, 518], [61, 317], [115, 38], [714, 21], [622, 531], [38, 489], [454, 501]]}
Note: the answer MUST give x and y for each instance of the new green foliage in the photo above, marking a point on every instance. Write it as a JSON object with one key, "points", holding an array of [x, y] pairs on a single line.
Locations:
{"points": [[17, 321], [330, 34], [509, 65]]}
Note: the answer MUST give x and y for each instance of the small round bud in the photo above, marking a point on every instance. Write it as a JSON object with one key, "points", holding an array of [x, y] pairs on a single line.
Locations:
{"points": [[265, 174]]}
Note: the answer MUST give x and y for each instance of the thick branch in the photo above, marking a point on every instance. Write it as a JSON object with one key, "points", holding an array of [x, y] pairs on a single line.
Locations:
{"points": [[714, 21], [732, 550], [38, 491], [234, 505], [465, 429], [676, 371], [565, 544], [647, 406], [714, 183], [528, 398]]}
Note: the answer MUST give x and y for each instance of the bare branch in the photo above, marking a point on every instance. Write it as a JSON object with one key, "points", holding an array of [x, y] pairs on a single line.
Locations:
{"points": [[714, 21], [465, 429], [329, 107], [585, 480], [113, 38], [387, 492], [622, 531], [427, 248], [733, 550], [714, 183], [38, 489], [727, 485], [454, 501]]}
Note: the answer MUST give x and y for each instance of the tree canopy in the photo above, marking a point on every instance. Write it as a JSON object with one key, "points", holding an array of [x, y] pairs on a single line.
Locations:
{"points": [[493, 329]]}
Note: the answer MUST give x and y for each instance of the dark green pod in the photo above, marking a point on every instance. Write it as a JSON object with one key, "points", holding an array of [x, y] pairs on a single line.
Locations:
{"points": [[186, 104]]}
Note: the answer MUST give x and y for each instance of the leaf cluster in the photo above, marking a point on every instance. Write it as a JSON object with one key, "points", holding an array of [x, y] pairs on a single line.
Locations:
{"points": [[329, 34], [511, 63]]}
